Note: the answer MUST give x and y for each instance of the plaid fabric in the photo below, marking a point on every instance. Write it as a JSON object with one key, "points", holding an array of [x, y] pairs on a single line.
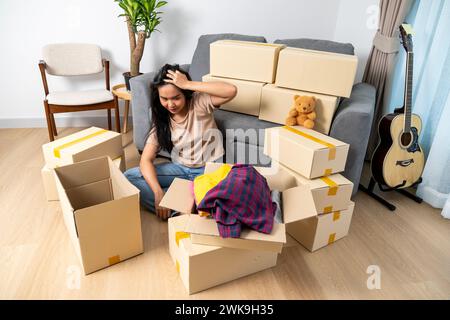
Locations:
{"points": [[243, 197]]}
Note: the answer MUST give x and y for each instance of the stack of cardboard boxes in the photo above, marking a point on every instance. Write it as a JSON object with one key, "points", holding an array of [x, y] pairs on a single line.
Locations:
{"points": [[100, 206], [268, 76]]}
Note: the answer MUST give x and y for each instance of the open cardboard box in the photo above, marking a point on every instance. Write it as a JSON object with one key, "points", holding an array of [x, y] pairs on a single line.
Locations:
{"points": [[248, 97], [101, 211], [48, 178], [205, 266], [83, 145], [316, 71], [245, 60], [305, 151]]}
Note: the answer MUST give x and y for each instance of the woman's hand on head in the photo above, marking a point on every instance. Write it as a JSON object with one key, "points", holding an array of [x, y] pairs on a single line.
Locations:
{"points": [[178, 79]]}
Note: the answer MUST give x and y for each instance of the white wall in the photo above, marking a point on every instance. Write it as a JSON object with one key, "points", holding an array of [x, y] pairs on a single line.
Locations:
{"points": [[26, 26]]}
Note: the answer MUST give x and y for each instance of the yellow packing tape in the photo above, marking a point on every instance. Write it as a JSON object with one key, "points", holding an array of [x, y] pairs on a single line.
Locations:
{"points": [[178, 266], [331, 147], [328, 209], [327, 172], [181, 235], [336, 215], [113, 260], [331, 238], [333, 186], [57, 150]]}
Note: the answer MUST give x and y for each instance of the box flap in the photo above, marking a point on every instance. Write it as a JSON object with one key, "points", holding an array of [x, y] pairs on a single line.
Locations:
{"points": [[84, 172], [179, 196], [208, 234], [90, 194], [120, 185], [298, 204]]}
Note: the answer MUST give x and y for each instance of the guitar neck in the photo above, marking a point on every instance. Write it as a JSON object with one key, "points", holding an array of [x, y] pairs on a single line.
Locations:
{"points": [[408, 91]]}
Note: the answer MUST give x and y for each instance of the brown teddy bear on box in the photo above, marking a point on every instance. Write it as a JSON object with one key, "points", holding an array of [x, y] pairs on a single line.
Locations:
{"points": [[302, 113]]}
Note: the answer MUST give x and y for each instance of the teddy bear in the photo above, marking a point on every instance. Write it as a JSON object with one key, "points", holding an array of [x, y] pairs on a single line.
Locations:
{"points": [[302, 112]]}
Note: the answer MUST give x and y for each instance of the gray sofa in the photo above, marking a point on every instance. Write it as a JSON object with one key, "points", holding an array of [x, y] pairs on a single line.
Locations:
{"points": [[351, 123]]}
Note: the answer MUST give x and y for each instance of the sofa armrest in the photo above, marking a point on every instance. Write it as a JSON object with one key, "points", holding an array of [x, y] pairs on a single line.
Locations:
{"points": [[352, 124], [140, 106]]}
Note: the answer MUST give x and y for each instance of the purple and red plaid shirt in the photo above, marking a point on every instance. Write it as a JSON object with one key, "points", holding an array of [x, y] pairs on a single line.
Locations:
{"points": [[243, 197]]}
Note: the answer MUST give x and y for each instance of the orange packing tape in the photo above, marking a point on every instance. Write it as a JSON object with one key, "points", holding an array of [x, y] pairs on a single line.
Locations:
{"points": [[113, 260], [57, 150], [181, 235], [336, 215], [331, 147], [333, 186], [331, 238]]}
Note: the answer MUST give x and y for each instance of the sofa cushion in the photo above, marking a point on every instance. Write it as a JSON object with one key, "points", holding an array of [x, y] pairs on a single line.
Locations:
{"points": [[240, 127], [200, 61], [319, 45]]}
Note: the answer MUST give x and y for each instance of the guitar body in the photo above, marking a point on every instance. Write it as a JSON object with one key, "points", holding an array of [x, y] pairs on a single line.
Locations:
{"points": [[398, 161]]}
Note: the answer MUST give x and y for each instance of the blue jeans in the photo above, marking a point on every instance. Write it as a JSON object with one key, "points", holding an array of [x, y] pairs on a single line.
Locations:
{"points": [[166, 173]]}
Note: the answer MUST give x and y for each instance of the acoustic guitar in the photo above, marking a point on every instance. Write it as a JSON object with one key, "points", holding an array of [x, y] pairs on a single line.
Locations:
{"points": [[398, 160]]}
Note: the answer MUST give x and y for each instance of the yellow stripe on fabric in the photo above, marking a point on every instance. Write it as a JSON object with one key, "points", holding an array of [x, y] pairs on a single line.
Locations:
{"points": [[57, 150], [328, 209], [113, 260], [333, 186], [336, 215], [331, 147], [331, 238], [181, 235]]}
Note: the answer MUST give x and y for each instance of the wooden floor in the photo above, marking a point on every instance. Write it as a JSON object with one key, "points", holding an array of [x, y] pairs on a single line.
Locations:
{"points": [[37, 260]]}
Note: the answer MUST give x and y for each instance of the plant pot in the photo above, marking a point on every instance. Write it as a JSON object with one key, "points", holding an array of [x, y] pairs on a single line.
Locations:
{"points": [[127, 77]]}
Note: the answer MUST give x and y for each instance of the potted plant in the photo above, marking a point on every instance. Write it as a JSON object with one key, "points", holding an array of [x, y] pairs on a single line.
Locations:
{"points": [[142, 19]]}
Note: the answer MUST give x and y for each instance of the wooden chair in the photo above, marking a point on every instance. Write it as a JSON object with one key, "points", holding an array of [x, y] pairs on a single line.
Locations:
{"points": [[75, 59]]}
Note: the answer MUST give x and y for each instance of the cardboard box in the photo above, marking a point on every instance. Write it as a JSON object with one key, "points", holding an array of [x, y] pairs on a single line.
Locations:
{"points": [[244, 60], [307, 152], [48, 179], [204, 231], [201, 267], [100, 208], [317, 232], [248, 96], [316, 71], [332, 193], [83, 145], [277, 102]]}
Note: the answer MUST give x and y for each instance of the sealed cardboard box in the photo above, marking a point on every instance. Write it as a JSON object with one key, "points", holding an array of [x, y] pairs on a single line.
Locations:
{"points": [[179, 197], [317, 232], [83, 145], [277, 102], [48, 179], [305, 151], [100, 208], [248, 97], [316, 71], [244, 60], [331, 193], [202, 266]]}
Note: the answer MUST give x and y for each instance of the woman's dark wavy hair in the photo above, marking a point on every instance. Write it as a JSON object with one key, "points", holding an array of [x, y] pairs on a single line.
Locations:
{"points": [[160, 115]]}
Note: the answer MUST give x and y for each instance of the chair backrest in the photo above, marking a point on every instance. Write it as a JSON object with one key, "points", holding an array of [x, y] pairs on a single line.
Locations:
{"points": [[72, 59], [200, 61]]}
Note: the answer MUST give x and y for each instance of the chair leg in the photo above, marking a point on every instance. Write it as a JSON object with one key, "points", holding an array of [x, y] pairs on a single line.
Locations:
{"points": [[52, 118], [109, 119], [116, 114], [49, 121]]}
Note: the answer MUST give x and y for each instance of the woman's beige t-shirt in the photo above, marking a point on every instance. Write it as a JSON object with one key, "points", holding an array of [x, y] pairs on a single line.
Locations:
{"points": [[196, 139]]}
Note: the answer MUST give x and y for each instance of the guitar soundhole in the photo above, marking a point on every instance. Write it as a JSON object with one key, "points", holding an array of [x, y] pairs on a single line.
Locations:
{"points": [[406, 139]]}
